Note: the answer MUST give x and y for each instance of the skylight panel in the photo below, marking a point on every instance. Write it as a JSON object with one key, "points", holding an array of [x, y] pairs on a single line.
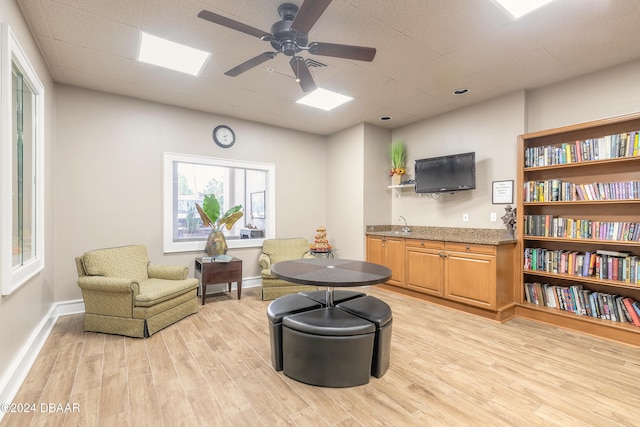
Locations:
{"points": [[518, 8], [324, 99], [175, 56]]}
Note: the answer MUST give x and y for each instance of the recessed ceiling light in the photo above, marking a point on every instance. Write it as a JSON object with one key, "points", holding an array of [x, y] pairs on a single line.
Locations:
{"points": [[461, 91], [175, 56], [517, 8], [324, 99]]}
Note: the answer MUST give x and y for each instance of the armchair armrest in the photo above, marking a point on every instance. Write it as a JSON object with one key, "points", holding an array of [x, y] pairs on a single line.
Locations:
{"points": [[108, 296], [167, 272], [109, 284], [264, 261]]}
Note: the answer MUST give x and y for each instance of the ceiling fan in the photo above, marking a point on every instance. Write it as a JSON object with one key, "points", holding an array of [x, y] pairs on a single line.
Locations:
{"points": [[289, 36]]}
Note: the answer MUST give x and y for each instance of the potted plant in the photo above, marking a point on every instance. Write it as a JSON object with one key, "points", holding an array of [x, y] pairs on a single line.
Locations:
{"points": [[210, 215], [398, 155]]}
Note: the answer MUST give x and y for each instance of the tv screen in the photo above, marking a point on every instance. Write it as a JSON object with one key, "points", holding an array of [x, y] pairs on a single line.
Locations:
{"points": [[446, 174]]}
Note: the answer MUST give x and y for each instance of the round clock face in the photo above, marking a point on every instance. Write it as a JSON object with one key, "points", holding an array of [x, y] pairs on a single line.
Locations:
{"points": [[223, 136]]}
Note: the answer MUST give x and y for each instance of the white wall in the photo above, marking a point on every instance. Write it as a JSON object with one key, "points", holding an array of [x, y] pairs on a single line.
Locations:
{"points": [[356, 191], [25, 308], [345, 201], [109, 155], [599, 95], [377, 197], [490, 129]]}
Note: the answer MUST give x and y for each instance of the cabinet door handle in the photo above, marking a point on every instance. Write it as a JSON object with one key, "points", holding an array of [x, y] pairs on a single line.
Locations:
{"points": [[466, 247]]}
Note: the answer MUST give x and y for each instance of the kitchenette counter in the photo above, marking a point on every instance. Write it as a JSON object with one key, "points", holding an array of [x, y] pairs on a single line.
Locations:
{"points": [[483, 236]]}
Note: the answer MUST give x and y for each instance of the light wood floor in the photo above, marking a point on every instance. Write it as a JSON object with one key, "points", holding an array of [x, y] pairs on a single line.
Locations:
{"points": [[447, 368]]}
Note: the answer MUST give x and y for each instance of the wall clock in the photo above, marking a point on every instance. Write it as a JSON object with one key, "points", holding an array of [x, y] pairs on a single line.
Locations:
{"points": [[224, 136]]}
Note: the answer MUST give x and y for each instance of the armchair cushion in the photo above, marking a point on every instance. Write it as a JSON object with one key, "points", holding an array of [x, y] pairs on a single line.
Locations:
{"points": [[124, 294], [277, 250], [284, 249], [130, 262]]}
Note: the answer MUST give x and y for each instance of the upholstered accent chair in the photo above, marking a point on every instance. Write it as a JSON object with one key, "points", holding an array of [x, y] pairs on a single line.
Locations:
{"points": [[126, 295], [276, 250]]}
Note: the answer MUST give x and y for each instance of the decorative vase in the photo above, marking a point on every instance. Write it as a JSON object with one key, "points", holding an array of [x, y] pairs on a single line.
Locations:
{"points": [[216, 244], [396, 179]]}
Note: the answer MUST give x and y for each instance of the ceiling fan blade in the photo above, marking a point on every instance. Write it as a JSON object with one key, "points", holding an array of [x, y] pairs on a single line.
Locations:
{"points": [[359, 53], [308, 14], [230, 23], [302, 73], [253, 62]]}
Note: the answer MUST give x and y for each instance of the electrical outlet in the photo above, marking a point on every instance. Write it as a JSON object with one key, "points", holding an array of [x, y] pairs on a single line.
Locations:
{"points": [[493, 217], [465, 217]]}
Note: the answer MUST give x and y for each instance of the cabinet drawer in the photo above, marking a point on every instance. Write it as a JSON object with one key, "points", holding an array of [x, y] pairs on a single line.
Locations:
{"points": [[471, 248], [427, 244]]}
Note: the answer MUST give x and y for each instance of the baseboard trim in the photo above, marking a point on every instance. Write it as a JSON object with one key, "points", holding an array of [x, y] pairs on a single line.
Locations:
{"points": [[17, 372]]}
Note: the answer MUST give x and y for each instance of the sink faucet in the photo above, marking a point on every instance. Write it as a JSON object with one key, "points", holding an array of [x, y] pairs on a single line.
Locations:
{"points": [[405, 229]]}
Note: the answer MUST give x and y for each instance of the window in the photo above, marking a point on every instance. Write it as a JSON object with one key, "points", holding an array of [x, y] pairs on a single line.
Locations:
{"points": [[22, 160], [187, 179]]}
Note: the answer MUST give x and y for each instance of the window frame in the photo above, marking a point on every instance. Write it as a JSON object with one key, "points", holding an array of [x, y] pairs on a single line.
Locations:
{"points": [[167, 191], [12, 53]]}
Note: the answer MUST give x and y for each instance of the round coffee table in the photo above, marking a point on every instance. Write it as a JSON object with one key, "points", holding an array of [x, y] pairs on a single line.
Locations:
{"points": [[330, 273]]}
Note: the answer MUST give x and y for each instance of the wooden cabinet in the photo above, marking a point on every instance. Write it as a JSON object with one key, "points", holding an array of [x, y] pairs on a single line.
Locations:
{"points": [[472, 277], [576, 198], [425, 266], [388, 251]]}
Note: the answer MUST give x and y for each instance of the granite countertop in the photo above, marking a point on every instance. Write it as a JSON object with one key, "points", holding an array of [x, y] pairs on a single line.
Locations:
{"points": [[483, 236]]}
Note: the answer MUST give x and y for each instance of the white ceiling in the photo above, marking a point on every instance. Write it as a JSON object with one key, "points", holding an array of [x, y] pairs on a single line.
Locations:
{"points": [[425, 50]]}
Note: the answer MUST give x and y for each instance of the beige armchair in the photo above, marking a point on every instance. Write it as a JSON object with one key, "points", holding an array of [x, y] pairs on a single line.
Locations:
{"points": [[276, 250], [126, 295]]}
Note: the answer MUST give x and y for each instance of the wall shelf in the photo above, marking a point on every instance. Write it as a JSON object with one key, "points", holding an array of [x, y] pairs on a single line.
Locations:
{"points": [[398, 189]]}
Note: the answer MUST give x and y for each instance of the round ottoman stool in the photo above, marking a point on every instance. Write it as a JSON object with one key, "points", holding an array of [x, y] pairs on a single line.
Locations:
{"points": [[378, 312], [277, 309], [327, 347]]}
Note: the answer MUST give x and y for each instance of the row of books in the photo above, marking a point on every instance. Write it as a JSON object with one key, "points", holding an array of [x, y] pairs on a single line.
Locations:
{"points": [[607, 147], [555, 190], [584, 302], [553, 226], [603, 264]]}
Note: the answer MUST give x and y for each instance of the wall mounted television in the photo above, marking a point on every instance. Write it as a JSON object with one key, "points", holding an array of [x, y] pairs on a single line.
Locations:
{"points": [[446, 174]]}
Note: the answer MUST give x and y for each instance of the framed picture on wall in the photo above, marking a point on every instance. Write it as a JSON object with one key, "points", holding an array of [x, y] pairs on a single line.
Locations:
{"points": [[502, 193]]}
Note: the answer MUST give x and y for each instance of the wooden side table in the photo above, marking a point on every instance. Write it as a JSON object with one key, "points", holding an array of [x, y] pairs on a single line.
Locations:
{"points": [[211, 273]]}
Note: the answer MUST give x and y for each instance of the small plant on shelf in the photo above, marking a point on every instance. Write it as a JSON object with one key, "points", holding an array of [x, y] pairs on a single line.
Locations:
{"points": [[398, 155]]}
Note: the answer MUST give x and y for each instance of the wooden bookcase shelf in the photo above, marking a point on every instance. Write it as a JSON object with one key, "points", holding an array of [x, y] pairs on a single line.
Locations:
{"points": [[611, 170]]}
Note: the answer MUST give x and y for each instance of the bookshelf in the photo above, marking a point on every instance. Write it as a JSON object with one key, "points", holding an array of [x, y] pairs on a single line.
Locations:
{"points": [[579, 226]]}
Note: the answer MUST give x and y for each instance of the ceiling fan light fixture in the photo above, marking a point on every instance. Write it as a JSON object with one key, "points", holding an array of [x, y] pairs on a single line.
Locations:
{"points": [[324, 99], [174, 56]]}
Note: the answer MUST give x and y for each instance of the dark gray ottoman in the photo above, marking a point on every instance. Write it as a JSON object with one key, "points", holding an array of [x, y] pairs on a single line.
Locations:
{"points": [[378, 312], [277, 309], [327, 347], [338, 296]]}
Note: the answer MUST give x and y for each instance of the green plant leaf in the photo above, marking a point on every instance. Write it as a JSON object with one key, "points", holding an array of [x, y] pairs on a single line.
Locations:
{"points": [[398, 154], [211, 207]]}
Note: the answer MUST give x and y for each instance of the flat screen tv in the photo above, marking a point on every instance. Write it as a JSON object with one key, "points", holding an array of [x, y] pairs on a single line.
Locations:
{"points": [[446, 173]]}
